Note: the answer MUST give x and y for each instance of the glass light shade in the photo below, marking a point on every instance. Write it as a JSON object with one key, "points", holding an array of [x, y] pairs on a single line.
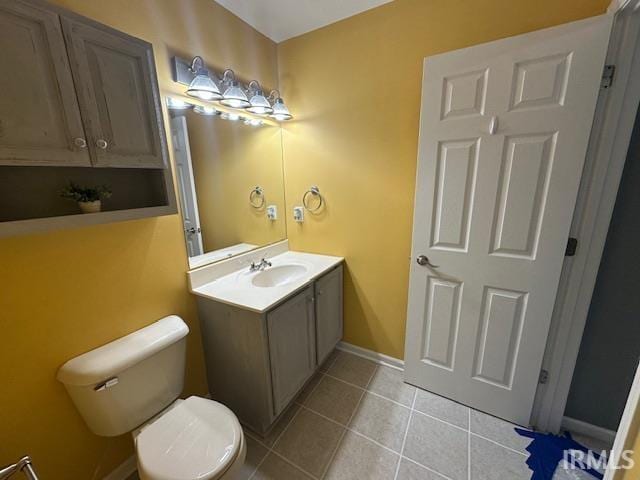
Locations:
{"points": [[177, 104], [203, 87], [259, 105], [234, 97], [205, 110], [280, 111]]}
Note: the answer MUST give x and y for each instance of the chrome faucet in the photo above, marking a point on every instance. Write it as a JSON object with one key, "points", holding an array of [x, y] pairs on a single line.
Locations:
{"points": [[255, 267], [23, 465]]}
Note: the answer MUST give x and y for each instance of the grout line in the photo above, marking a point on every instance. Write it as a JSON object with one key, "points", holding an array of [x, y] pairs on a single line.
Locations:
{"points": [[429, 469], [366, 390], [406, 432], [442, 421], [346, 427], [270, 449], [297, 467], [499, 444]]}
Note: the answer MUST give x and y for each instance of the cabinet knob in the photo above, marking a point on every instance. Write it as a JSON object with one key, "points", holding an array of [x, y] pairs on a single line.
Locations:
{"points": [[102, 144], [80, 142]]}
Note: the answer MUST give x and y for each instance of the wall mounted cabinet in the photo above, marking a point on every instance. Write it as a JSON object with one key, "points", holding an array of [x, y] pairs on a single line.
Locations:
{"points": [[82, 100], [257, 363]]}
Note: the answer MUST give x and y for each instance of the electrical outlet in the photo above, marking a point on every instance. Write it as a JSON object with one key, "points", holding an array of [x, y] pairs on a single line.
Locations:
{"points": [[298, 214], [272, 212]]}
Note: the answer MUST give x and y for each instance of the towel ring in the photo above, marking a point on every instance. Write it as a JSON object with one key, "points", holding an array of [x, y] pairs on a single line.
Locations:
{"points": [[256, 197], [314, 191]]}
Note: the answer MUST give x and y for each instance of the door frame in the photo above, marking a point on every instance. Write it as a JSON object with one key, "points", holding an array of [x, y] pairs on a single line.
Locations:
{"points": [[613, 124]]}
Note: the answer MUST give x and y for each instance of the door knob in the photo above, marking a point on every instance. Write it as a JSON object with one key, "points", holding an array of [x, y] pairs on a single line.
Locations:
{"points": [[425, 262], [102, 144]]}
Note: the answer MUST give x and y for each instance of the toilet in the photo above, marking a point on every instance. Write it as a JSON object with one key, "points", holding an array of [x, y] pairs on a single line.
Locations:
{"points": [[132, 385]]}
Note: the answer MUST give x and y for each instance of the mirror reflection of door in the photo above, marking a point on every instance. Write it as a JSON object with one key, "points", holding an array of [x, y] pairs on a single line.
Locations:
{"points": [[221, 161], [186, 186]]}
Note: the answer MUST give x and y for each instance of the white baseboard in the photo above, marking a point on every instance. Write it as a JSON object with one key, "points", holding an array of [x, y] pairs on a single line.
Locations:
{"points": [[124, 470], [379, 358], [584, 428]]}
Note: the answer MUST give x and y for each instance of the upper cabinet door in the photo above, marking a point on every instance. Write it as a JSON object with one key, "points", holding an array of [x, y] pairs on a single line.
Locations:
{"points": [[40, 121], [118, 93]]}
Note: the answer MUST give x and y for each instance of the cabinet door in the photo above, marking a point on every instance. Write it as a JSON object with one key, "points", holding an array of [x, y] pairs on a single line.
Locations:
{"points": [[39, 114], [328, 312], [118, 94], [291, 329]]}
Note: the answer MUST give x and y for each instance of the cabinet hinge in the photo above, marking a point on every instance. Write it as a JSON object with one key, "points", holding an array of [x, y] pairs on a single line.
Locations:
{"points": [[572, 246], [544, 376], [607, 76]]}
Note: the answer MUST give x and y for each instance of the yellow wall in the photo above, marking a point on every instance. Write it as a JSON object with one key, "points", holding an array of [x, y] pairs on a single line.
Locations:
{"points": [[229, 159], [354, 87], [67, 292]]}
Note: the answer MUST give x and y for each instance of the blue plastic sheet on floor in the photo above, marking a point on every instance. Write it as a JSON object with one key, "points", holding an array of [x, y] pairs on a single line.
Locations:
{"points": [[547, 458]]}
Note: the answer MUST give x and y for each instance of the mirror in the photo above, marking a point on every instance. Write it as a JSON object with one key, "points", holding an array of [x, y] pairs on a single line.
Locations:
{"points": [[230, 181]]}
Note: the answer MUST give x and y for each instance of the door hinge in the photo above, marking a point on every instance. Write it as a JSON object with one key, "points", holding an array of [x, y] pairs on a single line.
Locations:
{"points": [[544, 376], [607, 76], [572, 246]]}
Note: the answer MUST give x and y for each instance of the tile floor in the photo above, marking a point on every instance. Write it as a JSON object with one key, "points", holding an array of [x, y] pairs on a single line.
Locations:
{"points": [[359, 421], [356, 420]]}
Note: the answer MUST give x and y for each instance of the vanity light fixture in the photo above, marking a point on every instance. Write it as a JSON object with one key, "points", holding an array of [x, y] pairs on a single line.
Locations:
{"points": [[280, 110], [254, 122], [234, 96], [202, 86], [209, 111], [177, 104], [259, 103]]}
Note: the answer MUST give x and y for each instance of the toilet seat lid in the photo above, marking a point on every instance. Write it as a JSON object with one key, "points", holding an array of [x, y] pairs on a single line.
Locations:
{"points": [[196, 439]]}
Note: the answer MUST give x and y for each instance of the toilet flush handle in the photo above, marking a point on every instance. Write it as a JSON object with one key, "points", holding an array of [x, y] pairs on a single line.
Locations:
{"points": [[112, 382]]}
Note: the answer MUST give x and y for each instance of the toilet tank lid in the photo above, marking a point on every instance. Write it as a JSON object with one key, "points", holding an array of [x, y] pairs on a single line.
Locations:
{"points": [[115, 357]]}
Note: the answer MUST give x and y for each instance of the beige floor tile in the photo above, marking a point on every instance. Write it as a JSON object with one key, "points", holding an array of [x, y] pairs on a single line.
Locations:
{"points": [[389, 383], [352, 369], [255, 453], [309, 442], [309, 387], [493, 462], [442, 408], [270, 438], [412, 471], [334, 399], [437, 445], [498, 430], [360, 459], [381, 420], [329, 361], [275, 468]]}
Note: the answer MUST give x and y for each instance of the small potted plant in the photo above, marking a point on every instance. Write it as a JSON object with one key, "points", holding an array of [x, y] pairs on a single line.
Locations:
{"points": [[89, 198]]}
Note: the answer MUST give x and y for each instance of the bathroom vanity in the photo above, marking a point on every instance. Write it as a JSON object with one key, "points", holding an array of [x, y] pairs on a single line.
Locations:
{"points": [[265, 333]]}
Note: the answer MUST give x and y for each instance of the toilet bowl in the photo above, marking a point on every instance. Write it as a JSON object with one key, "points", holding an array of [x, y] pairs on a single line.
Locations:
{"points": [[195, 438], [132, 385]]}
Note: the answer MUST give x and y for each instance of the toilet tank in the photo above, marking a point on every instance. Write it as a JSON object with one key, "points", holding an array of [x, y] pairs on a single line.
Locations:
{"points": [[122, 384]]}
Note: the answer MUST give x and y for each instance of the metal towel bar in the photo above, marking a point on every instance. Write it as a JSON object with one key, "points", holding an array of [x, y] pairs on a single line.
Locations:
{"points": [[24, 465]]}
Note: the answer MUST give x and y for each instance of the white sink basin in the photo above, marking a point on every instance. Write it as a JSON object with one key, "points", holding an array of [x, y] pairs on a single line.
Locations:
{"points": [[279, 275]]}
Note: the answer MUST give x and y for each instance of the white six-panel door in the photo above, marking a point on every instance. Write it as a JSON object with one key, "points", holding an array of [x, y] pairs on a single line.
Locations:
{"points": [[503, 135], [186, 186]]}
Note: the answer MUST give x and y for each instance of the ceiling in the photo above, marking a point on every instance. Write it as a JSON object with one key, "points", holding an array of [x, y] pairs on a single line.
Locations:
{"points": [[283, 19]]}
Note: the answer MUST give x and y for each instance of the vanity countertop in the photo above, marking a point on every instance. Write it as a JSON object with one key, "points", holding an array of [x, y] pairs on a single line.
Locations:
{"points": [[239, 289]]}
